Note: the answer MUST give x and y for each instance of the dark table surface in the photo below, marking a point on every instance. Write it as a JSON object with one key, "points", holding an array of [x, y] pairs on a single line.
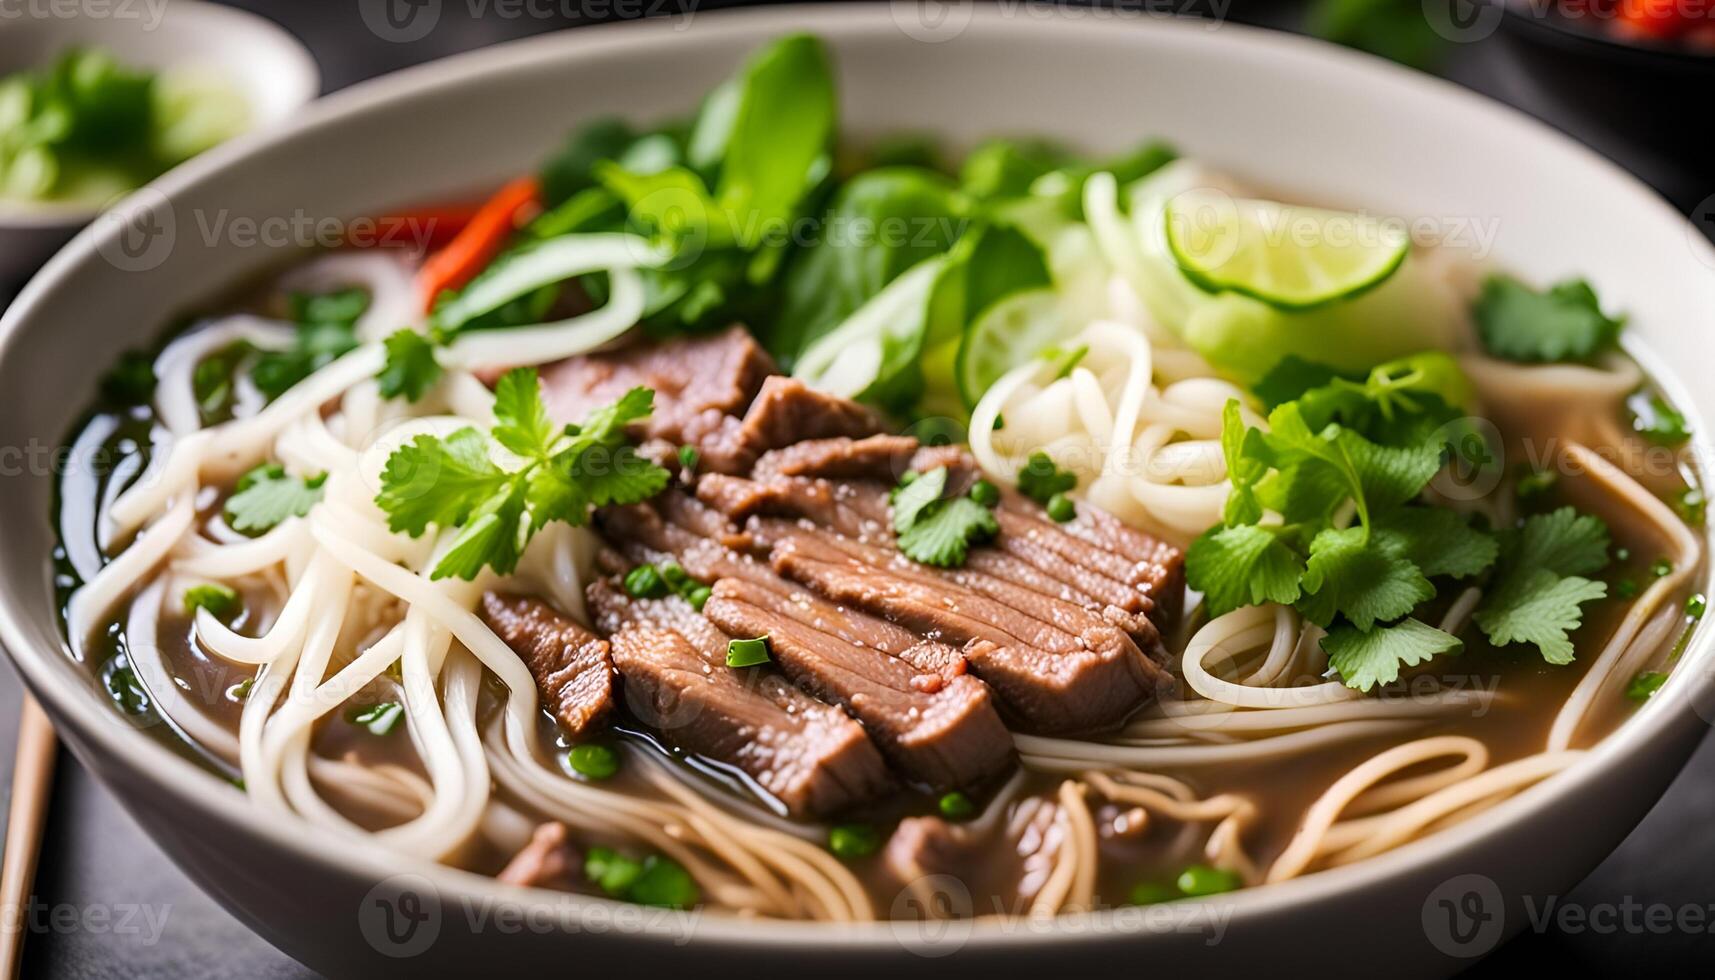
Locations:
{"points": [[109, 904]]}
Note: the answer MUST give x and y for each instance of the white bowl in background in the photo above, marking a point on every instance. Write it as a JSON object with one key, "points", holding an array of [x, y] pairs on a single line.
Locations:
{"points": [[1310, 119], [269, 67]]}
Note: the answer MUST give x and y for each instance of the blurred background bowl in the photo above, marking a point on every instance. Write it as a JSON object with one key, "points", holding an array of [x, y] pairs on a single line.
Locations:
{"points": [[267, 66], [1651, 94]]}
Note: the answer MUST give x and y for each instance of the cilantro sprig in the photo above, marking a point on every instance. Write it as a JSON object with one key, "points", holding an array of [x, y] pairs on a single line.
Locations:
{"points": [[1539, 590], [1563, 323], [938, 530], [267, 496], [454, 482], [327, 329]]}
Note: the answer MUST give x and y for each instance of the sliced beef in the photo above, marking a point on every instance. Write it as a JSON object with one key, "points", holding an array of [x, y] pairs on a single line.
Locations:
{"points": [[937, 730], [572, 666], [806, 754], [547, 861], [1053, 680], [701, 384], [788, 411], [879, 457]]}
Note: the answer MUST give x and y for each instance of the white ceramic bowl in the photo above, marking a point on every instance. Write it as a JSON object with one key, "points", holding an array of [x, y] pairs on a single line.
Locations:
{"points": [[1309, 119], [273, 71]]}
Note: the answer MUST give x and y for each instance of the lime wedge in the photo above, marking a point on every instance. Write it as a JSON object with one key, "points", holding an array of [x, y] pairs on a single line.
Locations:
{"points": [[1290, 257], [1007, 334]]}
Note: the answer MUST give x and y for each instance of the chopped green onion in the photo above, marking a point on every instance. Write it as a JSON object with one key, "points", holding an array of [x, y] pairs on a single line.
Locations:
{"points": [[1201, 879], [1656, 420], [1064, 361], [593, 762], [221, 601], [854, 840], [1626, 588], [241, 691], [1644, 685], [676, 577], [985, 493], [645, 582], [1692, 506], [1622, 554], [1154, 893], [1061, 509], [1696, 606], [1661, 568], [380, 718], [747, 653], [663, 883], [956, 806], [688, 458], [611, 871], [698, 596]]}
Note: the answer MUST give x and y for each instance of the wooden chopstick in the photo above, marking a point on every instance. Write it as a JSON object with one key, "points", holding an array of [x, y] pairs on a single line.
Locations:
{"points": [[32, 784]]}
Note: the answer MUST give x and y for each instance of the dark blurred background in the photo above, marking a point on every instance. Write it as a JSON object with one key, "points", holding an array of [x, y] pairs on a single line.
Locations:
{"points": [[1648, 110]]}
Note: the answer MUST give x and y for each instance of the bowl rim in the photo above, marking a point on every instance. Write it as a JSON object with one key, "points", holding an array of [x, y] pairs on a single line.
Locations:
{"points": [[195, 787], [33, 215]]}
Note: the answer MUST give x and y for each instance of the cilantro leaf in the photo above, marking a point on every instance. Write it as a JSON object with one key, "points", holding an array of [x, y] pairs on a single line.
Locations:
{"points": [[910, 499], [1241, 446], [1040, 479], [490, 536], [1564, 542], [1537, 606], [1350, 574], [437, 481], [1365, 659], [266, 496], [1244, 565], [1566, 323], [944, 531], [410, 369], [521, 421], [1292, 377], [1439, 542], [326, 330]]}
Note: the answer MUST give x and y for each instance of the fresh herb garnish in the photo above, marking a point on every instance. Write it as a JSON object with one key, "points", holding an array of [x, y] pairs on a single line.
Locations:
{"points": [[747, 652], [1565, 323], [410, 369], [379, 718], [655, 880], [1539, 587], [1040, 479], [935, 530], [593, 761], [956, 806], [451, 482], [326, 329], [1643, 686], [1656, 420], [266, 495], [221, 601], [853, 840], [645, 582]]}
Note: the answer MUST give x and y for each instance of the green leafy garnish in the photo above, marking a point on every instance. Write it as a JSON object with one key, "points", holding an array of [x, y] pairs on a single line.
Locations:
{"points": [[1539, 588], [222, 602], [747, 652], [1644, 685], [326, 330], [379, 718], [935, 530], [1040, 479], [655, 880], [1657, 420], [1565, 323], [266, 496], [1365, 659], [452, 482], [410, 369]]}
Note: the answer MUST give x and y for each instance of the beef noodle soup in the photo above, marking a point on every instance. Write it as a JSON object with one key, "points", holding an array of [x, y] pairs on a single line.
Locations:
{"points": [[731, 517]]}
